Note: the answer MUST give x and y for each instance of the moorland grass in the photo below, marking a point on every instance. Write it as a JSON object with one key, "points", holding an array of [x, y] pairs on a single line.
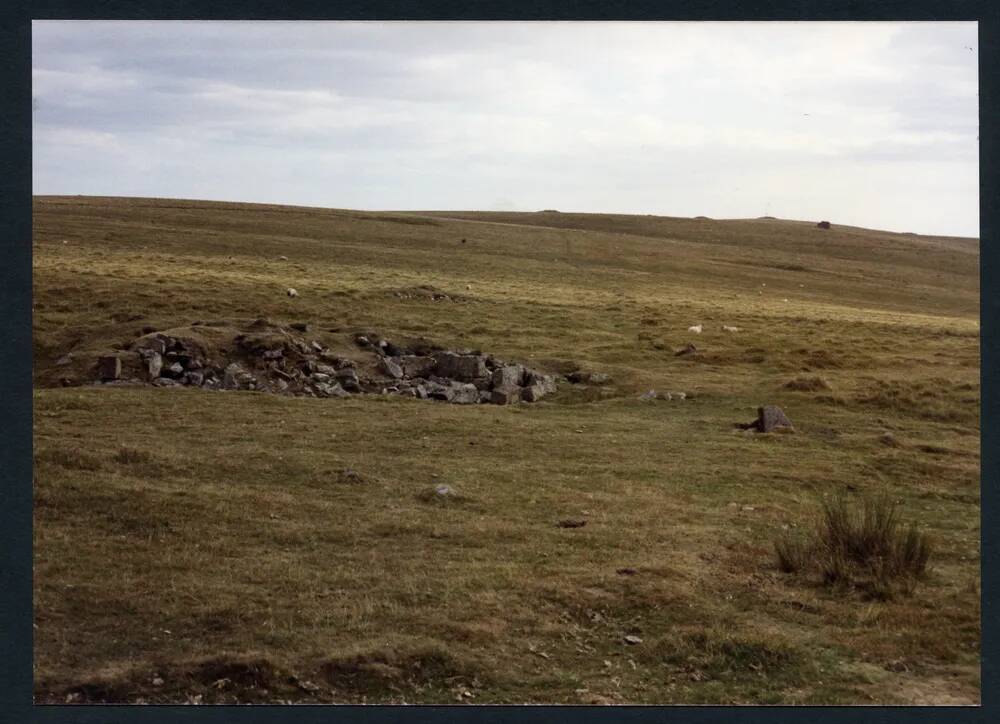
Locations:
{"points": [[860, 546], [211, 541]]}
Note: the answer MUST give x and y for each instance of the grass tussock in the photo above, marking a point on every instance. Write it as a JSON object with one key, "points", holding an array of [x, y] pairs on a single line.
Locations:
{"points": [[244, 537], [864, 547], [131, 456], [930, 400], [807, 384]]}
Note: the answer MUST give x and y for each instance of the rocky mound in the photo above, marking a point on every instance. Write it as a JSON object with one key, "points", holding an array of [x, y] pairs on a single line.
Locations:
{"points": [[272, 358]]}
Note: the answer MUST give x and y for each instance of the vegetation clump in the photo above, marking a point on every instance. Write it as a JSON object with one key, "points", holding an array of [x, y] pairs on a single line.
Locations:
{"points": [[863, 548], [131, 456], [807, 384]]}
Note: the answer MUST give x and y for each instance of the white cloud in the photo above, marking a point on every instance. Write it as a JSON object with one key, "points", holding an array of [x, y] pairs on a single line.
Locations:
{"points": [[54, 137], [587, 116]]}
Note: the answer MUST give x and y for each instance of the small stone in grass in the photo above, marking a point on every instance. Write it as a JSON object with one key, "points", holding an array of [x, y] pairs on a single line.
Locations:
{"points": [[308, 686], [633, 640]]}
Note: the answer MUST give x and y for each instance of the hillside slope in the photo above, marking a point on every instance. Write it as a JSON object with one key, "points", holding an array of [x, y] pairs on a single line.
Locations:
{"points": [[219, 542]]}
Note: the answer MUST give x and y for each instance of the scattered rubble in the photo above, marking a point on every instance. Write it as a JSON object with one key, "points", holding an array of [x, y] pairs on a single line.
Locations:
{"points": [[649, 395], [427, 293], [272, 358]]}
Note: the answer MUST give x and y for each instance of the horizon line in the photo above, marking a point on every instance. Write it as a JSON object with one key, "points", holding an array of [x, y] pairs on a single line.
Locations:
{"points": [[767, 217]]}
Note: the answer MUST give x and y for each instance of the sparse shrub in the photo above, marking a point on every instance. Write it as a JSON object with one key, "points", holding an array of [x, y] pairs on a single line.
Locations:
{"points": [[862, 548]]}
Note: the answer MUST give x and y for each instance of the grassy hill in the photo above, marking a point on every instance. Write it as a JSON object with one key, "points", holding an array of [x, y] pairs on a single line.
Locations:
{"points": [[208, 546]]}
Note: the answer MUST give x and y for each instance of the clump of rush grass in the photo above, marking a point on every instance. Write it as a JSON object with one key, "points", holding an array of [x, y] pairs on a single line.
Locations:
{"points": [[859, 547], [792, 554]]}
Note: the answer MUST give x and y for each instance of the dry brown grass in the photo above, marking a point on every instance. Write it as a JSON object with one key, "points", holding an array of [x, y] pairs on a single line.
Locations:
{"points": [[213, 540], [807, 384], [860, 547]]}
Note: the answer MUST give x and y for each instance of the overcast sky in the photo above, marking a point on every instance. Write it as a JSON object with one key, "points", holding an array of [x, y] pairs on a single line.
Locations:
{"points": [[873, 124]]}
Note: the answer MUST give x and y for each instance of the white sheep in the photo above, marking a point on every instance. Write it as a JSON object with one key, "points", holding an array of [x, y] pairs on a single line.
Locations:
{"points": [[696, 328], [283, 258], [727, 328], [292, 293]]}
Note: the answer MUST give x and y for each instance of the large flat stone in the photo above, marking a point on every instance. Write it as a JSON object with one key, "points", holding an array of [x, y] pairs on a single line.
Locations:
{"points": [[532, 393], [546, 382], [771, 417], [508, 376], [459, 367], [505, 395], [391, 368], [464, 393], [417, 365], [109, 367]]}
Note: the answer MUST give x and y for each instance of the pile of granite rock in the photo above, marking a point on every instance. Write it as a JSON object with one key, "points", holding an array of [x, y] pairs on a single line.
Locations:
{"points": [[463, 377], [275, 359]]}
